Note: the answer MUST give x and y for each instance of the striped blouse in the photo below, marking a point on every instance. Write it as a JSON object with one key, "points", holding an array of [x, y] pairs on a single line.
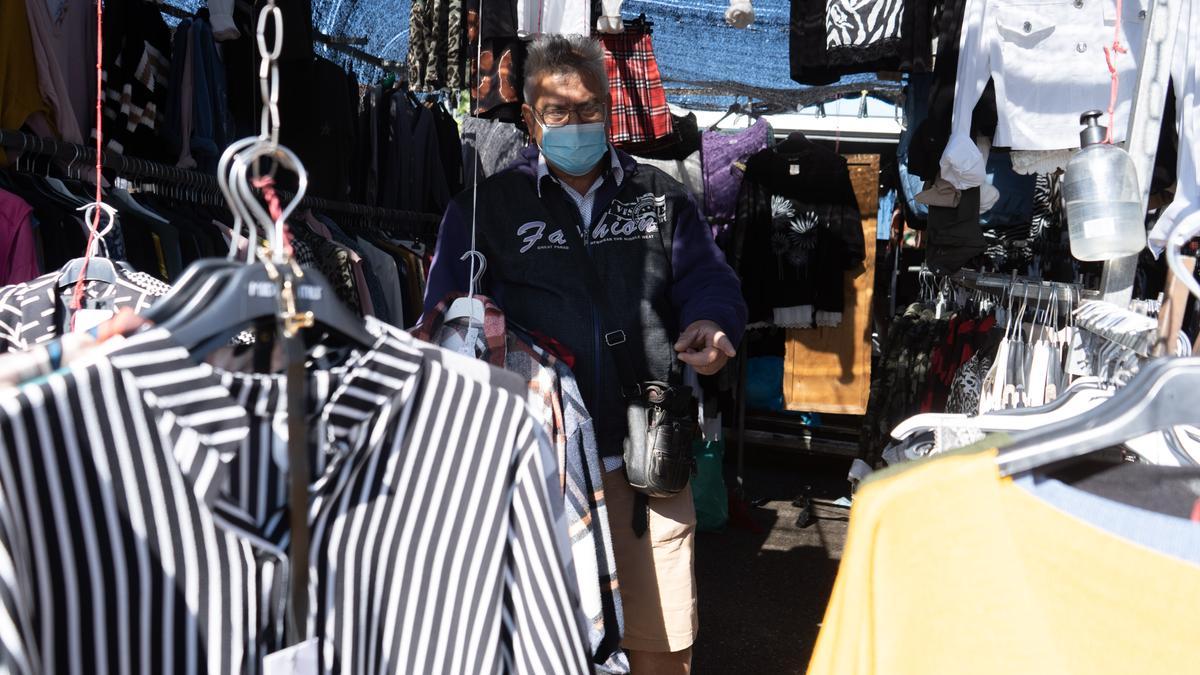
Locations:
{"points": [[135, 536]]}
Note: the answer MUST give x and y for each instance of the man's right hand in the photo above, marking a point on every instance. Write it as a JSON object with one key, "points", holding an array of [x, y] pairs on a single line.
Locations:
{"points": [[705, 347]]}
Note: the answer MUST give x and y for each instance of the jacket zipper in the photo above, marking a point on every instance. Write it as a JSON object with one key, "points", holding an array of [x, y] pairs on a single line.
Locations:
{"points": [[597, 329], [597, 361]]}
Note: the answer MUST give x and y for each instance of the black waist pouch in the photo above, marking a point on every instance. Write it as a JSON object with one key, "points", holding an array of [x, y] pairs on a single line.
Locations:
{"points": [[658, 451]]}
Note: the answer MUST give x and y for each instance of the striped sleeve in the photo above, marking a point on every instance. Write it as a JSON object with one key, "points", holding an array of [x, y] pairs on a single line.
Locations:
{"points": [[15, 623], [541, 609]]}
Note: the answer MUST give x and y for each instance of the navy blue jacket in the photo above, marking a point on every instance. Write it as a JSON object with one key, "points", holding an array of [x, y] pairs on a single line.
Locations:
{"points": [[651, 246]]}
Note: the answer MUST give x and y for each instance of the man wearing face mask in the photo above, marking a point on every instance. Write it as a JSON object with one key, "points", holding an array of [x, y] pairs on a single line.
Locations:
{"points": [[572, 194]]}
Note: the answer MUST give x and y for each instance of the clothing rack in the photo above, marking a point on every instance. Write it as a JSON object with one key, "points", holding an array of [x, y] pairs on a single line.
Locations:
{"points": [[1019, 287], [344, 44], [421, 225]]}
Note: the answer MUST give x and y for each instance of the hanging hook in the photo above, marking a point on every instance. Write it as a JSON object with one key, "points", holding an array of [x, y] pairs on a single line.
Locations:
{"points": [[240, 213], [482, 261], [89, 211], [282, 156]]}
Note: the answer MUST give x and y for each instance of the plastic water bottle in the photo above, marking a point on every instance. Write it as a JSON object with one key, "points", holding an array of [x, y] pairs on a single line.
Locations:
{"points": [[1104, 202]]}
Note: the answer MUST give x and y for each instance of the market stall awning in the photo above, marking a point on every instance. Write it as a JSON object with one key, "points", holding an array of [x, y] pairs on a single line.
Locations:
{"points": [[704, 62]]}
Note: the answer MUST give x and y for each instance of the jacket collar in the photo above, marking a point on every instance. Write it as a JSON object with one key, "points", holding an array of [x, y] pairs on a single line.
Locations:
{"points": [[615, 169], [531, 156]]}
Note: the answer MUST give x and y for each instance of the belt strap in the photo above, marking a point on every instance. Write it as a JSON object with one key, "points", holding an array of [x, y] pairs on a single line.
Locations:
{"points": [[297, 447]]}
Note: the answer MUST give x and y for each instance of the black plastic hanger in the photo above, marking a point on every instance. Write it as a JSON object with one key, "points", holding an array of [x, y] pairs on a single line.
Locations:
{"points": [[639, 25]]}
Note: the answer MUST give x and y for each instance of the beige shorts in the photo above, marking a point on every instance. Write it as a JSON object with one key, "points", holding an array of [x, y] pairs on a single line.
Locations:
{"points": [[656, 572]]}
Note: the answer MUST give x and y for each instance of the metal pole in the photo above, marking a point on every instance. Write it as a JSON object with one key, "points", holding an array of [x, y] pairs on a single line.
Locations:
{"points": [[1145, 121]]}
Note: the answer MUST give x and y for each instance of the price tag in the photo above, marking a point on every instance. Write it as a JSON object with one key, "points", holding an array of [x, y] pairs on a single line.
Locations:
{"points": [[298, 659], [87, 319]]}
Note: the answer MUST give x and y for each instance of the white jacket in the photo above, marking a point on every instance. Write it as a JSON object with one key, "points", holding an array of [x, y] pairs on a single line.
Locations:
{"points": [[1047, 60]]}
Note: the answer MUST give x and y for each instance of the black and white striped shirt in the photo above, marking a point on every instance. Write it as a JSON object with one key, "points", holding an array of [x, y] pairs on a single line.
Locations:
{"points": [[436, 545], [111, 560], [33, 312]]}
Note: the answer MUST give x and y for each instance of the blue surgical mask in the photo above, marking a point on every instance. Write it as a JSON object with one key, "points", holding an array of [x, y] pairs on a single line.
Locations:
{"points": [[575, 148]]}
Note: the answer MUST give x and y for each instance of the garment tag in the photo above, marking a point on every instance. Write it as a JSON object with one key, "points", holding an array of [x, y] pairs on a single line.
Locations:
{"points": [[468, 346], [298, 659], [87, 319]]}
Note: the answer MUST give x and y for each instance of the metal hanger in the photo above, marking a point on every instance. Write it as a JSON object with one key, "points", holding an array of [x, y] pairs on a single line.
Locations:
{"points": [[264, 290], [205, 276]]}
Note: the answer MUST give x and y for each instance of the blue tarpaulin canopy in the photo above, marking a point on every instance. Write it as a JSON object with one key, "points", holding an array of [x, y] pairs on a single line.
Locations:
{"points": [[704, 62]]}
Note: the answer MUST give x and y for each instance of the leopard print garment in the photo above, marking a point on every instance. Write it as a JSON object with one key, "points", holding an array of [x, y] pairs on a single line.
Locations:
{"points": [[967, 385]]}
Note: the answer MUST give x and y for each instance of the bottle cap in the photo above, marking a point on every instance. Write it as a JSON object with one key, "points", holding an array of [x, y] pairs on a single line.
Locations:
{"points": [[1092, 132]]}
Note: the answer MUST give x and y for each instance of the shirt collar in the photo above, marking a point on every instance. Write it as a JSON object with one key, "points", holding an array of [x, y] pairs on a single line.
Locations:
{"points": [[195, 403], [615, 169]]}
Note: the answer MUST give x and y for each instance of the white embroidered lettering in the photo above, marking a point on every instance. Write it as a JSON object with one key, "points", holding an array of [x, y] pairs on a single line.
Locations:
{"points": [[631, 221], [535, 230]]}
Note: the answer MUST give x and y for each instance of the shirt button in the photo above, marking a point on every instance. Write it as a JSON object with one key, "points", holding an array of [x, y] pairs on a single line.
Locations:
{"points": [[1141, 14], [1027, 27], [1078, 4], [1080, 47]]}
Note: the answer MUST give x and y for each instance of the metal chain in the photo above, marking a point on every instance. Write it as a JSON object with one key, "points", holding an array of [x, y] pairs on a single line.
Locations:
{"points": [[268, 70]]}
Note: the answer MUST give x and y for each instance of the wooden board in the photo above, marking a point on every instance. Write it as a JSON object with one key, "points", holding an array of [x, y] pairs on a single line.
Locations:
{"points": [[829, 369]]}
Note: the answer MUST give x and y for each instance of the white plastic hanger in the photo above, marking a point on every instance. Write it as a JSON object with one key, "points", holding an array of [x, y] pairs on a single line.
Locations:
{"points": [[1159, 398], [1079, 399], [1180, 235], [469, 307]]}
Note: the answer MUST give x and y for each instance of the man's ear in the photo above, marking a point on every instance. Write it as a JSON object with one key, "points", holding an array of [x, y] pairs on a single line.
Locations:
{"points": [[531, 124]]}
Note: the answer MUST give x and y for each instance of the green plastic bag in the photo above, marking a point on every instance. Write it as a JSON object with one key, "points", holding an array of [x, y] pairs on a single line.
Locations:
{"points": [[708, 486]]}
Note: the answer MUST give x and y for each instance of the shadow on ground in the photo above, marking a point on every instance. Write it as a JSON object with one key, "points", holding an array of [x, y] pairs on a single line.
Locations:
{"points": [[763, 594]]}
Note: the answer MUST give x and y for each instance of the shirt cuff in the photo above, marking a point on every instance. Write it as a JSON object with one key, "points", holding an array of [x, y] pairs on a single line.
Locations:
{"points": [[963, 164]]}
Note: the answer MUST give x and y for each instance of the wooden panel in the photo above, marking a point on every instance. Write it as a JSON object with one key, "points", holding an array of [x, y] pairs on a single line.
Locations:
{"points": [[829, 369]]}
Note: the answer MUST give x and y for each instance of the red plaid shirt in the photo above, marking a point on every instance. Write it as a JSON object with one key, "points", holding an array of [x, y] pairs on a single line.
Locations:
{"points": [[639, 103]]}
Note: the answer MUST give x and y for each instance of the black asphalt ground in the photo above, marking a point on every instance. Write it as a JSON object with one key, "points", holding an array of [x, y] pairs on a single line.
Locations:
{"points": [[763, 594]]}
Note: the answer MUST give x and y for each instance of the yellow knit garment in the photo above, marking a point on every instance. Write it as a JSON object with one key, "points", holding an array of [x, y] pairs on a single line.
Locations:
{"points": [[949, 568]]}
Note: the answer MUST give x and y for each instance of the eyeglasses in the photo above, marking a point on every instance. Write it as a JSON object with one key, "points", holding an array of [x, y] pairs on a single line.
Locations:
{"points": [[555, 116]]}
